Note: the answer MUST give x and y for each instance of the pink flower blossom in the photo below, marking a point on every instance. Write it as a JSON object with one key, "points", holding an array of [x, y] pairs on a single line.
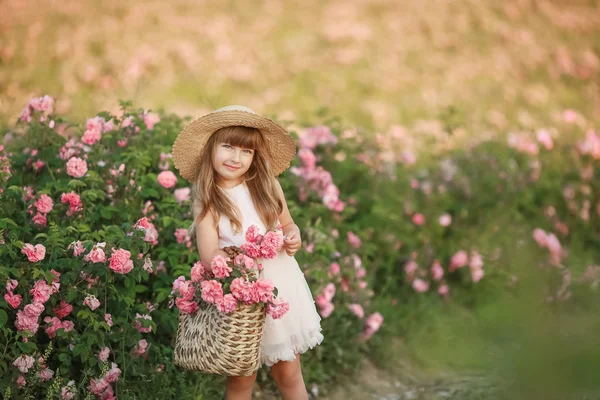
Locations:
{"points": [[93, 132], [39, 219], [77, 248], [92, 302], [251, 249], [11, 284], [23, 363], [74, 201], [437, 272], [458, 260], [357, 310], [354, 240], [182, 194], [245, 261], [120, 261], [445, 220], [45, 374], [113, 373], [21, 381], [76, 167], [212, 291], [151, 119], [264, 290], [410, 267], [25, 322], [141, 347], [372, 325], [33, 310], [41, 291], [420, 285], [418, 219], [241, 290], [198, 272], [138, 323], [545, 139], [186, 306], [252, 235], [63, 309], [96, 255], [167, 179], [108, 320], [13, 299], [34, 253], [97, 386], [104, 353], [477, 274], [44, 204], [540, 237], [278, 308], [443, 290], [334, 269], [219, 267], [271, 244], [326, 310], [187, 290], [227, 304]]}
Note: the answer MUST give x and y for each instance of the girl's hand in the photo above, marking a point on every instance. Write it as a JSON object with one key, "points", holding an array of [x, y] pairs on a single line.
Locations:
{"points": [[293, 241]]}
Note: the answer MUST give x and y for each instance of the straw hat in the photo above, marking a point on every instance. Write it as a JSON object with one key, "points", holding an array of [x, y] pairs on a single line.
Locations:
{"points": [[187, 148]]}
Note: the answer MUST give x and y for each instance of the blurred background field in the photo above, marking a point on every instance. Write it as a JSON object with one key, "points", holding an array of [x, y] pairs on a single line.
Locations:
{"points": [[441, 85]]}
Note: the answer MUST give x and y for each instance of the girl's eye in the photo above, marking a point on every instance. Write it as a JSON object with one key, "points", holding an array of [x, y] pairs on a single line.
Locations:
{"points": [[226, 145], [248, 151]]}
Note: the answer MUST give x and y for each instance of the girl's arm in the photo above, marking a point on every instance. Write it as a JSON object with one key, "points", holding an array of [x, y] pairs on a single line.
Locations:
{"points": [[293, 241], [207, 240]]}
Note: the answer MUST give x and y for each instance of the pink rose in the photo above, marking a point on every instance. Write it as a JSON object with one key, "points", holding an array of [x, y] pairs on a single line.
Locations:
{"points": [[357, 310], [141, 347], [11, 285], [187, 290], [120, 261], [108, 320], [23, 363], [212, 291], [437, 272], [445, 220], [40, 219], [198, 272], [150, 119], [25, 322], [326, 310], [41, 291], [443, 290], [104, 353], [186, 306], [477, 274], [21, 381], [34, 253], [44, 204], [278, 308], [420, 285], [227, 304], [418, 219], [354, 240], [167, 179], [95, 256], [251, 249], [271, 244], [76, 167], [458, 260], [264, 289], [138, 323], [77, 248], [372, 325], [334, 269], [113, 373], [241, 290], [252, 235], [13, 299], [33, 310], [63, 309], [242, 259], [410, 267], [219, 267], [182, 194], [92, 302]]}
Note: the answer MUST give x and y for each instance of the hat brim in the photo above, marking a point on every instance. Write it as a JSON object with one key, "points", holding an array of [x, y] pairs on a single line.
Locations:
{"points": [[187, 148]]}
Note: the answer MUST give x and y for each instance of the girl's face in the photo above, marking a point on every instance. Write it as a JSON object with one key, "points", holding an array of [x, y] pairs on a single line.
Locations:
{"points": [[231, 163]]}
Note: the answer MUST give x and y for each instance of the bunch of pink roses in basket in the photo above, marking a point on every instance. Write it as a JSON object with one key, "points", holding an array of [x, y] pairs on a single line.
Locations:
{"points": [[234, 281]]}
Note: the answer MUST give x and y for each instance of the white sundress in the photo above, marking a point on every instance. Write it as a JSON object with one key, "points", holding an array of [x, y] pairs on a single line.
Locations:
{"points": [[299, 329]]}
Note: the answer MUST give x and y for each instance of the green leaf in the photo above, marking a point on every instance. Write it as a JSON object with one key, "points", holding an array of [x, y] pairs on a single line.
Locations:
{"points": [[3, 318], [162, 296], [4, 222], [140, 288], [28, 347]]}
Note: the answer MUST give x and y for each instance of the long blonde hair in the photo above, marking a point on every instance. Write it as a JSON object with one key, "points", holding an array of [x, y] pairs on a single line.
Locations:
{"points": [[207, 196]]}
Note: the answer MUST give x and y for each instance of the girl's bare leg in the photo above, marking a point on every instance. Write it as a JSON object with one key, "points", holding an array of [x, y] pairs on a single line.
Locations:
{"points": [[289, 380], [240, 387]]}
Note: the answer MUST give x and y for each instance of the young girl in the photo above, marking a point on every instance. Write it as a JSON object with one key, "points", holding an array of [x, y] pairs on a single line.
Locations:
{"points": [[231, 158]]}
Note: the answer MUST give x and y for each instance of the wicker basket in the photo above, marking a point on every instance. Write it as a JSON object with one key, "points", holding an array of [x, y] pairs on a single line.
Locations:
{"points": [[214, 342]]}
